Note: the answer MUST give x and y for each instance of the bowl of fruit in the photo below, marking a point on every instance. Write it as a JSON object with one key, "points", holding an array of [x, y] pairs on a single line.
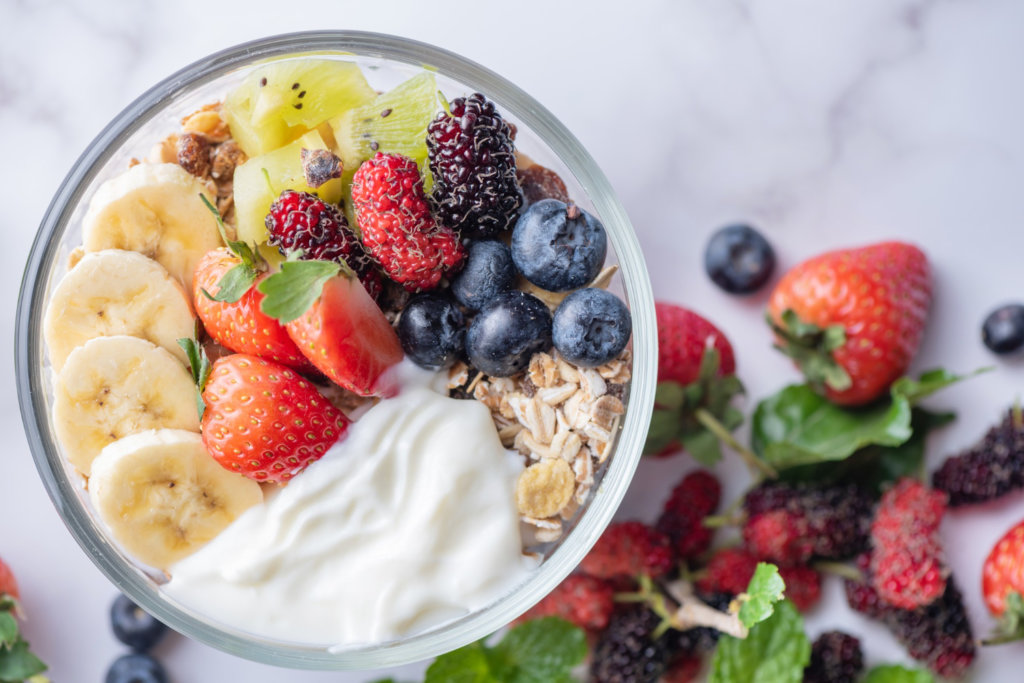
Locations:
{"points": [[336, 350]]}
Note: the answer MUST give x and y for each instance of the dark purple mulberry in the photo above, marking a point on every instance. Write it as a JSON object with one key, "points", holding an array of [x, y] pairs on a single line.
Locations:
{"points": [[472, 159], [626, 652], [990, 469], [835, 658]]}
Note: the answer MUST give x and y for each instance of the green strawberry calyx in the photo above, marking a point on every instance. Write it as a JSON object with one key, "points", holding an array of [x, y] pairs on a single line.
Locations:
{"points": [[1011, 624], [240, 278], [17, 662], [812, 348], [289, 293]]}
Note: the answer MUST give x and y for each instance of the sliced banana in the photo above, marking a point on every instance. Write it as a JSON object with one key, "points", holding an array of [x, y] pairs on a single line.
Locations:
{"points": [[117, 292], [116, 386], [153, 209], [162, 496]]}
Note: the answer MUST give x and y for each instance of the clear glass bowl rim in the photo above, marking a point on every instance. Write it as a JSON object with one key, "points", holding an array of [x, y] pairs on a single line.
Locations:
{"points": [[29, 365]]}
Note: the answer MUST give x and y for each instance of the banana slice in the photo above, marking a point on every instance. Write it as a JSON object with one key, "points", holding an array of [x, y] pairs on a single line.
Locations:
{"points": [[153, 209], [163, 497], [116, 386], [117, 292]]}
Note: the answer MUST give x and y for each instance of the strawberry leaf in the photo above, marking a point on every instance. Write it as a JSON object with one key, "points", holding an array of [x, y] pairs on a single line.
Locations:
{"points": [[8, 630], [811, 347], [235, 283], [17, 663], [765, 589], [290, 292], [200, 366], [1011, 624], [775, 650]]}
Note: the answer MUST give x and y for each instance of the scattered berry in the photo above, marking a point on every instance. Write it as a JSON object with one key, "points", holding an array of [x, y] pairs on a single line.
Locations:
{"points": [[1003, 329], [396, 225], [793, 523], [488, 272], [539, 183], [702, 638], [472, 159], [591, 327], [558, 246], [1003, 571], [682, 337], [852, 319], [835, 658], [134, 626], [739, 259], [584, 600], [683, 669], [626, 651], [299, 220], [264, 420], [136, 668], [629, 549], [8, 584], [682, 516], [241, 325], [907, 563], [432, 330], [507, 332], [803, 585], [729, 571], [988, 470], [861, 595]]}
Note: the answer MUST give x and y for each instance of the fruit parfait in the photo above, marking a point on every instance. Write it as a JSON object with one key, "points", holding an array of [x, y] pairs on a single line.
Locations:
{"points": [[335, 362]]}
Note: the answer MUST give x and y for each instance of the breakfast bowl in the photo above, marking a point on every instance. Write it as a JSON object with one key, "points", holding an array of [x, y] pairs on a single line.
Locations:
{"points": [[386, 62]]}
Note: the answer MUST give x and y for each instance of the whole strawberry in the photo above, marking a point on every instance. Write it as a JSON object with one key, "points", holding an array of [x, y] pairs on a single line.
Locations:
{"points": [[239, 324], [852, 319], [303, 221], [683, 337], [264, 420], [907, 560], [583, 600], [1003, 571], [335, 324], [8, 584], [396, 225], [628, 549]]}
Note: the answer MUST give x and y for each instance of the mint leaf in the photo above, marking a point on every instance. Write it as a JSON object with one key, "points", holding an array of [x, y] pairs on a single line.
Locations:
{"points": [[539, 651], [765, 589], [17, 663], [894, 673], [468, 664], [799, 426], [295, 288], [775, 651], [928, 383], [8, 630]]}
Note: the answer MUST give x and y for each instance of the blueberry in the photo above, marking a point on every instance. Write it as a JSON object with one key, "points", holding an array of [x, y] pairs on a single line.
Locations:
{"points": [[432, 330], [591, 327], [488, 272], [134, 626], [507, 332], [739, 259], [1003, 329], [558, 247], [136, 668]]}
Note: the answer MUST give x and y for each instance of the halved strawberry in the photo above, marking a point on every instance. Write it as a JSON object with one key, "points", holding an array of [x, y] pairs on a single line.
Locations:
{"points": [[335, 324]]}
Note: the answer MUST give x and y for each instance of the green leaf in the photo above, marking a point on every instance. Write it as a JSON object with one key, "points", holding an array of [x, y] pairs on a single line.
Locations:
{"points": [[468, 664], [295, 288], [200, 366], [17, 663], [539, 651], [663, 430], [235, 283], [928, 383], [9, 633], [765, 589], [894, 673], [703, 446], [669, 395], [811, 347], [775, 651], [798, 426]]}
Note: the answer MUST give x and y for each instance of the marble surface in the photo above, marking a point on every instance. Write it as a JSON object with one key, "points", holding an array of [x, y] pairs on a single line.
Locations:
{"points": [[824, 123]]}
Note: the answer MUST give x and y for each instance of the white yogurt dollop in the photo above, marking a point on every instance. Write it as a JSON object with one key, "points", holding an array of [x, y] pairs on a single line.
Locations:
{"points": [[407, 523]]}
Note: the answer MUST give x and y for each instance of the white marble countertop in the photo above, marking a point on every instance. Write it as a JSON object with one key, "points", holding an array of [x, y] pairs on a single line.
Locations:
{"points": [[824, 123]]}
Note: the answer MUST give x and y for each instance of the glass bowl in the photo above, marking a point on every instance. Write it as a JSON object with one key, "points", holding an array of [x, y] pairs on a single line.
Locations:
{"points": [[386, 60]]}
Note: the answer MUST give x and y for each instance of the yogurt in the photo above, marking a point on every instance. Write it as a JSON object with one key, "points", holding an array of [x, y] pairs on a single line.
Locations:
{"points": [[407, 523]]}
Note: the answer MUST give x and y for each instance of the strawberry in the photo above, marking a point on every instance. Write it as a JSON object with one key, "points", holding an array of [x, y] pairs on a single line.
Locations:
{"points": [[396, 224], [238, 323], [265, 421], [696, 383], [1003, 572], [852, 319], [583, 600], [8, 584], [335, 324]]}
